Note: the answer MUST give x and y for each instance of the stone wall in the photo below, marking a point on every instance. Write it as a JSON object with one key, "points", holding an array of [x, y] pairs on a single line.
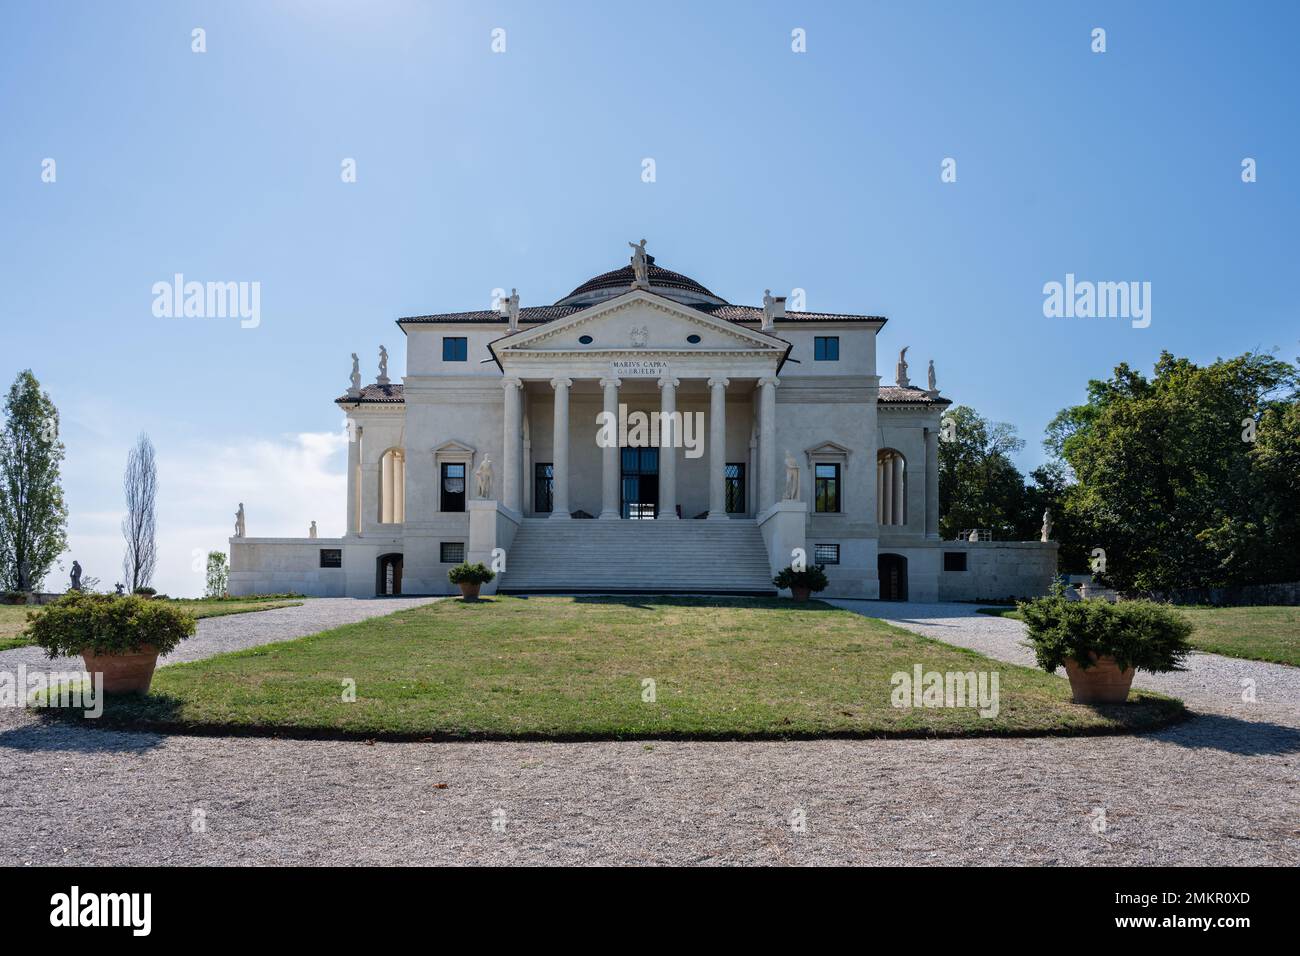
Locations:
{"points": [[997, 570], [284, 565], [1242, 595]]}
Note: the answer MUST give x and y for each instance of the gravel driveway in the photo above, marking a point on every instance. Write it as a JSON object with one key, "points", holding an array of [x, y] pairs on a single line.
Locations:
{"points": [[1220, 789]]}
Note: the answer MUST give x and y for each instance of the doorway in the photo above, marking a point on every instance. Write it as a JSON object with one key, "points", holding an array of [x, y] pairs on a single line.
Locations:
{"points": [[388, 576], [893, 577], [640, 482]]}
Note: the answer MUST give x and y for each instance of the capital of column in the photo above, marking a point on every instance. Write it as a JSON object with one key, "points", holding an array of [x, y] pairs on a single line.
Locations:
{"points": [[769, 380], [511, 383], [719, 382], [669, 381], [614, 381], [558, 383]]}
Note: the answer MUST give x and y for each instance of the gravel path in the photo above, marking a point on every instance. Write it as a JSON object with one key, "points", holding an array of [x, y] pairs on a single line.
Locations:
{"points": [[1220, 789]]}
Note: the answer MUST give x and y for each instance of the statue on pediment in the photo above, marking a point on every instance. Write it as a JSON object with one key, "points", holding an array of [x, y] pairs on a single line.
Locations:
{"points": [[640, 264], [355, 390], [900, 371], [383, 366]]}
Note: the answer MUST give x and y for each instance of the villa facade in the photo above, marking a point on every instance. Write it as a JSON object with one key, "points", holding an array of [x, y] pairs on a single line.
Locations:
{"points": [[642, 434]]}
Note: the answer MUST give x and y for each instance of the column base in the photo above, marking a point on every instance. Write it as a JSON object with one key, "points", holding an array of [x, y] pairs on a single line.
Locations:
{"points": [[667, 516], [609, 516], [561, 516], [718, 516]]}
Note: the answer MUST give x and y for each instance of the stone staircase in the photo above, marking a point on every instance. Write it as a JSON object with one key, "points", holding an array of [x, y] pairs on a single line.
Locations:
{"points": [[637, 557]]}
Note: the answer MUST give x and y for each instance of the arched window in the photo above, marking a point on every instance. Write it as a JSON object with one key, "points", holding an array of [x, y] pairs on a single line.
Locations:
{"points": [[891, 487], [392, 487]]}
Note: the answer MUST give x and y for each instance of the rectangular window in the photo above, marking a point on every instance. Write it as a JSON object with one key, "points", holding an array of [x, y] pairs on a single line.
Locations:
{"points": [[734, 476], [826, 554], [826, 348], [954, 560], [826, 488], [453, 488], [331, 557], [455, 349], [451, 552], [543, 487]]}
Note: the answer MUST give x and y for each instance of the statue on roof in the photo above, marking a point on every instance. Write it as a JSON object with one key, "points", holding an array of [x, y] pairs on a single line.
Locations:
{"points": [[383, 366], [511, 306], [934, 389], [640, 264], [355, 390], [240, 527], [900, 371]]}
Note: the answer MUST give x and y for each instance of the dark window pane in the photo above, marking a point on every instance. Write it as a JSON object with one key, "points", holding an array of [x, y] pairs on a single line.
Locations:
{"points": [[331, 558], [543, 486], [734, 476], [454, 349], [826, 553], [451, 552], [954, 560], [826, 488]]}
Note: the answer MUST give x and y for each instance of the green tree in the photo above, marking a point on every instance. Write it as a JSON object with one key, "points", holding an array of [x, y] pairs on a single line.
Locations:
{"points": [[1168, 481], [218, 575], [33, 516], [979, 485]]}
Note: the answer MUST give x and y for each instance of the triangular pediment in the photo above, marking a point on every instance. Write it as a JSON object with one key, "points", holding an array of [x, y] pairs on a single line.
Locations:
{"points": [[639, 321]]}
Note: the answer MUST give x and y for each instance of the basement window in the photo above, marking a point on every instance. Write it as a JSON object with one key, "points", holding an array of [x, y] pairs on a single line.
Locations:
{"points": [[451, 552], [826, 554], [331, 557], [954, 560]]}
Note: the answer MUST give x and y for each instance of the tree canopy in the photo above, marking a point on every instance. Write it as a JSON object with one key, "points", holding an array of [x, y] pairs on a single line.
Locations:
{"points": [[33, 516]]}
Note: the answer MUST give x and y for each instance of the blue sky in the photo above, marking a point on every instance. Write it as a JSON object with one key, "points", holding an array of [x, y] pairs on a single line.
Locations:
{"points": [[477, 170]]}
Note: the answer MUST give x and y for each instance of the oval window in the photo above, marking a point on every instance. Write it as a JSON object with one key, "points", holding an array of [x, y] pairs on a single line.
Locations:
{"points": [[693, 339], [584, 339]]}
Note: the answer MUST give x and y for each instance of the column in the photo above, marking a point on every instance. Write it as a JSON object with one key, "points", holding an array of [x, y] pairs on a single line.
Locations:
{"points": [[718, 447], [931, 483], [669, 438], [900, 490], [609, 467], [354, 477], [560, 452], [387, 495], [512, 450], [766, 443], [399, 489], [887, 491]]}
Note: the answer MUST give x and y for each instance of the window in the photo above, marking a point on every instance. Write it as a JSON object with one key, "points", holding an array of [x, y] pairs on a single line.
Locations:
{"points": [[826, 553], [331, 557], [584, 339], [693, 339], [451, 552], [543, 487], [826, 348], [826, 488], [453, 487], [455, 349], [734, 476], [954, 560]]}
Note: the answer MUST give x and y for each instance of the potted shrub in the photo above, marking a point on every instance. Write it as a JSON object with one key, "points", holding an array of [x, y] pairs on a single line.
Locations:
{"points": [[1101, 644], [470, 577], [120, 637], [802, 583]]}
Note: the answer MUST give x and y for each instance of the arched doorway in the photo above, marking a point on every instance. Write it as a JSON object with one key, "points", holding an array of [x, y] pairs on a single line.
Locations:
{"points": [[388, 574], [893, 577]]}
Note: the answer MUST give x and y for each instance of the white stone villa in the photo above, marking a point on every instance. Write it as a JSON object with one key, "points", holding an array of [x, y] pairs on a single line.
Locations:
{"points": [[494, 447]]}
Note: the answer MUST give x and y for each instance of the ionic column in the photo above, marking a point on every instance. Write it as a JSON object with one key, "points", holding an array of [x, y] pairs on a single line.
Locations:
{"points": [[931, 483], [766, 442], [512, 450], [560, 441], [887, 491], [387, 494], [609, 473], [669, 436], [718, 447]]}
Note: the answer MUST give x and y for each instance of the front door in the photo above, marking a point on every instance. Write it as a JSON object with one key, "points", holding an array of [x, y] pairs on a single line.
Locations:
{"points": [[640, 482], [893, 577], [389, 574]]}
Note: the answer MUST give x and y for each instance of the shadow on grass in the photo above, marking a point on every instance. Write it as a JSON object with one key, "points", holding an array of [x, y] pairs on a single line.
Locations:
{"points": [[650, 601]]}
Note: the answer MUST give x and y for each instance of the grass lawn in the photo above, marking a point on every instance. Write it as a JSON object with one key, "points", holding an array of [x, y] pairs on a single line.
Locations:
{"points": [[1254, 633], [569, 668], [13, 617]]}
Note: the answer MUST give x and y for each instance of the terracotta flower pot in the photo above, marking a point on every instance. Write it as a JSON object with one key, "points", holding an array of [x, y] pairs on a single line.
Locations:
{"points": [[469, 591], [800, 593], [126, 673], [1102, 683]]}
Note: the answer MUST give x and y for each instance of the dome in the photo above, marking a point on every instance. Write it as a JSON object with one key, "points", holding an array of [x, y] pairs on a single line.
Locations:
{"points": [[673, 285]]}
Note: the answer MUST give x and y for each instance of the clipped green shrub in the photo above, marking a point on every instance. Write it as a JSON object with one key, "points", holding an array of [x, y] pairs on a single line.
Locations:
{"points": [[813, 578], [108, 624], [1142, 634], [145, 591], [470, 574]]}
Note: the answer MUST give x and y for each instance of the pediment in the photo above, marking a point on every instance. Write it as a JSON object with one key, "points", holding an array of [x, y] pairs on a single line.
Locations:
{"points": [[828, 449], [640, 321], [454, 449]]}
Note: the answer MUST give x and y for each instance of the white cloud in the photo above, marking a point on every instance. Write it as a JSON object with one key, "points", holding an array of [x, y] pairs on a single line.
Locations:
{"points": [[284, 486]]}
